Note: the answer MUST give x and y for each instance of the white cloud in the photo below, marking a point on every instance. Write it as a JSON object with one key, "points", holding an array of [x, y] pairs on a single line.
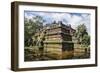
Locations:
{"points": [[68, 18], [28, 15], [57, 16], [42, 14], [74, 20]]}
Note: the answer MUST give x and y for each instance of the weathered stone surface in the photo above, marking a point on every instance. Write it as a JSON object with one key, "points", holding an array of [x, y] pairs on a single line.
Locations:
{"points": [[58, 42]]}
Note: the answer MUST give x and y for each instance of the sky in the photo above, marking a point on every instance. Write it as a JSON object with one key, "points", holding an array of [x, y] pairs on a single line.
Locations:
{"points": [[67, 18]]}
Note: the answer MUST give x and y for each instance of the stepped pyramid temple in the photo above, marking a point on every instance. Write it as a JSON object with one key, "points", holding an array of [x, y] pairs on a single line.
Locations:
{"points": [[57, 42]]}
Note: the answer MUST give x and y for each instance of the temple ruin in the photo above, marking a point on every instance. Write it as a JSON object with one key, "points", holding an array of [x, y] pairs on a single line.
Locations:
{"points": [[58, 41]]}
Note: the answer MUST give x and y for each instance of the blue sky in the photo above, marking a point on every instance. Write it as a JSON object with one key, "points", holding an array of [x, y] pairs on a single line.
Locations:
{"points": [[67, 18]]}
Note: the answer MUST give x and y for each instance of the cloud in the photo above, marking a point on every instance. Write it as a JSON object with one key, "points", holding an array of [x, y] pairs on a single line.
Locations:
{"points": [[58, 16], [29, 15], [67, 18], [73, 19]]}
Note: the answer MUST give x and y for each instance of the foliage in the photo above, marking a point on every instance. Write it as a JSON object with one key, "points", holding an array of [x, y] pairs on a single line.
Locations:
{"points": [[86, 40], [31, 26], [82, 35]]}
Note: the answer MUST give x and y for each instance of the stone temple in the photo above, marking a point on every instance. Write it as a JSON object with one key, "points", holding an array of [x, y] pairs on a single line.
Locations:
{"points": [[58, 41]]}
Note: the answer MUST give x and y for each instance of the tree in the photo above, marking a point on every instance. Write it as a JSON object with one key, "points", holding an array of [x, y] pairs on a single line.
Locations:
{"points": [[82, 35], [86, 40], [31, 26]]}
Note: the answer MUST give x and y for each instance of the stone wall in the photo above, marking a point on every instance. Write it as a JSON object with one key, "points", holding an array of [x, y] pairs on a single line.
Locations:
{"points": [[58, 42]]}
